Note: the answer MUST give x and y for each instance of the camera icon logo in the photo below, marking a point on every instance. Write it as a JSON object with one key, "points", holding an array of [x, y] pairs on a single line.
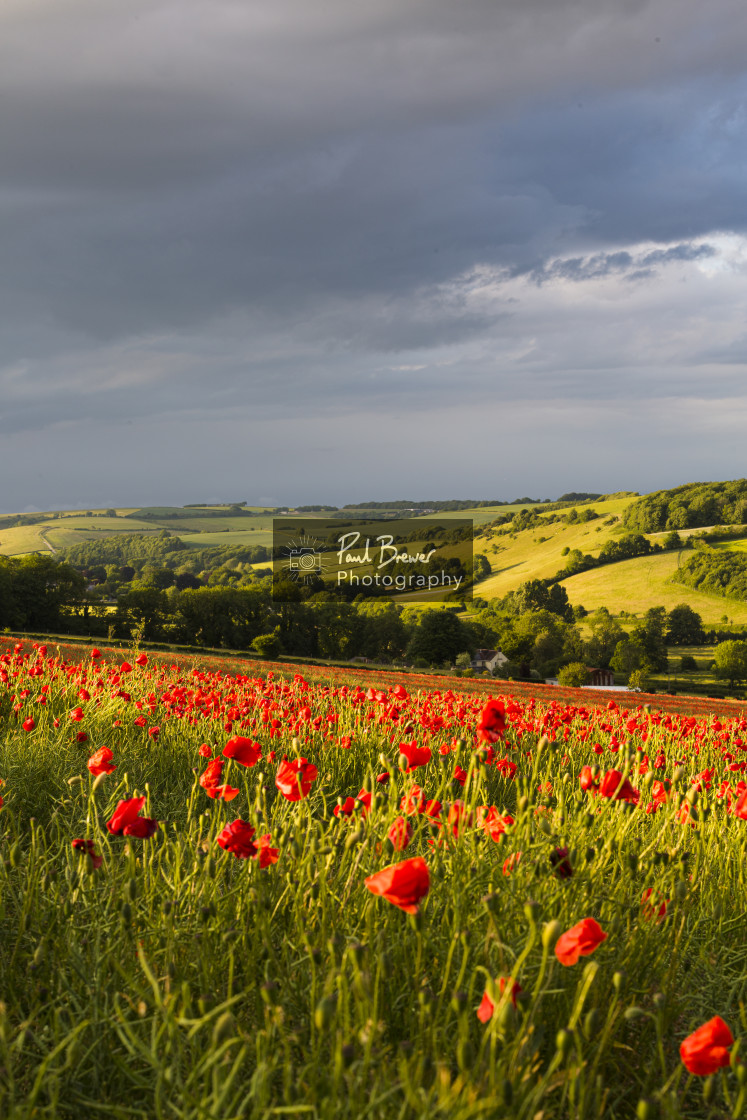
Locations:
{"points": [[305, 560]]}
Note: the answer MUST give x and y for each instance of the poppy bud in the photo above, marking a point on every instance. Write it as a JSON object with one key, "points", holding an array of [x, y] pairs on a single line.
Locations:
{"points": [[587, 820], [458, 1002], [132, 889], [532, 912], [563, 1042], [633, 861], [492, 902], [551, 931], [325, 1012], [268, 991], [709, 1088], [347, 1054], [678, 774], [618, 979], [223, 1029], [659, 1000], [592, 1023], [647, 1109], [125, 912], [633, 1013], [680, 890], [523, 803], [544, 826]]}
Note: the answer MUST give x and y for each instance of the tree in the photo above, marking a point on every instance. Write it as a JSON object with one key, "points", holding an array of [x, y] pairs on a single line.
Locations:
{"points": [[606, 632], [438, 638], [684, 627], [650, 635], [573, 675], [638, 680], [731, 661], [267, 645], [480, 567], [628, 657]]}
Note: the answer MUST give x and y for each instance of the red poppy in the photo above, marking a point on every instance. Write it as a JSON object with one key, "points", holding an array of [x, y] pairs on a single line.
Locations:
{"points": [[265, 854], [125, 667], [579, 941], [614, 785], [81, 737], [29, 724], [87, 846], [210, 782], [400, 834], [76, 714], [403, 884], [707, 1048], [492, 722], [346, 809], [101, 762], [561, 863], [294, 779], [416, 756], [487, 1007], [649, 906], [141, 659], [491, 820], [740, 806], [204, 750], [243, 751], [127, 822], [236, 838], [95, 653], [510, 863]]}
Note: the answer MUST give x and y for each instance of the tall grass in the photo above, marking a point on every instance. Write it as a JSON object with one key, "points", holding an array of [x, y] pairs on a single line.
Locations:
{"points": [[178, 981]]}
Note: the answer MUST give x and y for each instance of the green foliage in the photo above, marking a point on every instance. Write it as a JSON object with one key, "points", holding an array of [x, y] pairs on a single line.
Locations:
{"points": [[574, 674], [690, 506], [731, 661], [684, 627], [716, 572]]}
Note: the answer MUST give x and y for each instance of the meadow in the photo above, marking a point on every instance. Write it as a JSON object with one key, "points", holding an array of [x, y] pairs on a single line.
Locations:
{"points": [[227, 892]]}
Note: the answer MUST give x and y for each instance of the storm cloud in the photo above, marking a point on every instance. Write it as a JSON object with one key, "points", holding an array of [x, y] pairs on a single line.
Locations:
{"points": [[258, 228]]}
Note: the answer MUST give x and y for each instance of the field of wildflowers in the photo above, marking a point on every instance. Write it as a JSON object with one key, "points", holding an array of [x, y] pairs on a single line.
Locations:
{"points": [[233, 894]]}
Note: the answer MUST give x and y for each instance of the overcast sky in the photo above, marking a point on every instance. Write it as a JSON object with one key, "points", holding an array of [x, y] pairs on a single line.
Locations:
{"points": [[288, 251]]}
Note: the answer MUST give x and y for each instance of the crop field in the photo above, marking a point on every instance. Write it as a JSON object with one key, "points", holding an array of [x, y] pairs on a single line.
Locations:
{"points": [[636, 585], [227, 892]]}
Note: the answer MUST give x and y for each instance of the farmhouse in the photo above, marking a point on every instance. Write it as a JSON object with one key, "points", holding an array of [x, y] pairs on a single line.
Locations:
{"points": [[488, 659]]}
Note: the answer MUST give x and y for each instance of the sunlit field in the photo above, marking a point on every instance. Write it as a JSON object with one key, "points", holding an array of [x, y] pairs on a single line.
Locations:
{"points": [[232, 893]]}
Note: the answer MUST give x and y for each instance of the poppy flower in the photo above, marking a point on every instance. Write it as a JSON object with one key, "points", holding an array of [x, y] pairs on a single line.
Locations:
{"points": [[243, 751], [141, 659], [95, 653], [236, 838], [76, 714], [346, 809], [492, 722], [29, 724], [614, 785], [86, 846], [416, 756], [707, 1048], [491, 820], [403, 884], [510, 863], [561, 863], [125, 667], [649, 906], [101, 762], [265, 854], [579, 941], [487, 1007], [204, 751], [400, 834], [127, 822], [294, 779]]}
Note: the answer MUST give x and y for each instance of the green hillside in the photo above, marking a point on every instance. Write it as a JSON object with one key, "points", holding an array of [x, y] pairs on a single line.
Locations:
{"points": [[537, 553], [636, 585]]}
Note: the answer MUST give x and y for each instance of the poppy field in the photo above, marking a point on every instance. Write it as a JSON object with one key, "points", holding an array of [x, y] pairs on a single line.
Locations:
{"points": [[233, 894]]}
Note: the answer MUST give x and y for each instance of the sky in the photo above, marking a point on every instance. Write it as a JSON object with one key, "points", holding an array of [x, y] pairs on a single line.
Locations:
{"points": [[297, 251]]}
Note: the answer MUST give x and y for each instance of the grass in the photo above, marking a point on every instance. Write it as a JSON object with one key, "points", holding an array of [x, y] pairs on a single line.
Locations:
{"points": [[636, 585], [523, 556], [177, 980]]}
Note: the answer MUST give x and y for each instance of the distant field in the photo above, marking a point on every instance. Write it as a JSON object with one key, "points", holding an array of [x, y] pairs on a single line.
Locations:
{"points": [[739, 545], [231, 537], [636, 585], [23, 539], [515, 559]]}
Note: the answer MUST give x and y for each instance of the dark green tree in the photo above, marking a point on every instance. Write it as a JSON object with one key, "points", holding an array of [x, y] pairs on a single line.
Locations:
{"points": [[684, 627]]}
